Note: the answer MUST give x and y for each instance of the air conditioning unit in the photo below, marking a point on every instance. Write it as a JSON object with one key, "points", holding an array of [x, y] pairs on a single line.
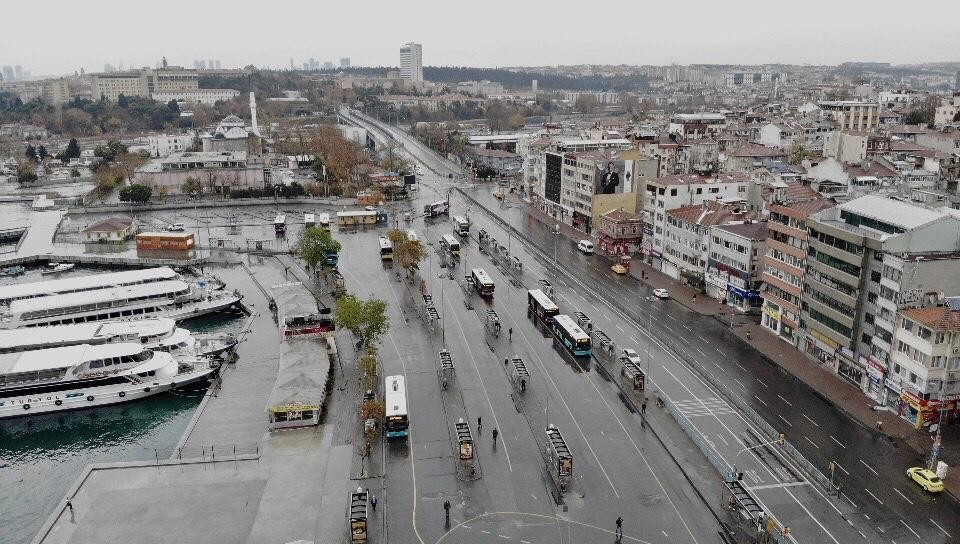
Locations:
{"points": [[956, 350]]}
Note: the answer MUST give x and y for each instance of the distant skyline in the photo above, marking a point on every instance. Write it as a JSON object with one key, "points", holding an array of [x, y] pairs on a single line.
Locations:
{"points": [[499, 34]]}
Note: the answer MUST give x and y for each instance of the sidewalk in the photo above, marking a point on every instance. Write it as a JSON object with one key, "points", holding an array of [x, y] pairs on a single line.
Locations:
{"points": [[825, 383]]}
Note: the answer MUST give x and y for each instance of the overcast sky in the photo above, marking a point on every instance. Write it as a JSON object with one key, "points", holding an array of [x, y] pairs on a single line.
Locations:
{"points": [[64, 36]]}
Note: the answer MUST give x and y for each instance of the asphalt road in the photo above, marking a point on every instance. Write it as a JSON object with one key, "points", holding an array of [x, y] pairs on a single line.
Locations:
{"points": [[878, 501]]}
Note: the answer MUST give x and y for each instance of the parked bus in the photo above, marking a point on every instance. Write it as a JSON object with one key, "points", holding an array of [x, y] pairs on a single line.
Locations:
{"points": [[571, 335], [323, 221], [309, 220], [412, 235], [397, 422], [482, 282], [449, 243], [541, 306], [386, 249], [357, 217], [280, 223], [461, 227]]}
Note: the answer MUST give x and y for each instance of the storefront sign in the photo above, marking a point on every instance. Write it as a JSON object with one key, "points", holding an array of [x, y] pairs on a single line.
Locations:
{"points": [[715, 280], [772, 311], [892, 385]]}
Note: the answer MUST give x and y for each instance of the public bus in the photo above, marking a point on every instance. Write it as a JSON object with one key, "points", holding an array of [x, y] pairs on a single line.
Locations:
{"points": [[541, 306], [461, 227], [280, 223], [571, 335], [386, 249], [449, 243], [412, 235], [397, 421], [309, 220], [323, 221], [482, 282]]}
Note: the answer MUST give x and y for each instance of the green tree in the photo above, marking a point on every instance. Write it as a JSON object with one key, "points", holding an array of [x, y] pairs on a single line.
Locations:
{"points": [[140, 193], [191, 185], [26, 173], [31, 153], [74, 173], [586, 103], [365, 319], [110, 151], [314, 243], [73, 149], [798, 151]]}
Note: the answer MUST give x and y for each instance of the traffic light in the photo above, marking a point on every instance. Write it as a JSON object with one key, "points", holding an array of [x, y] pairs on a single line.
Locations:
{"points": [[781, 439]]}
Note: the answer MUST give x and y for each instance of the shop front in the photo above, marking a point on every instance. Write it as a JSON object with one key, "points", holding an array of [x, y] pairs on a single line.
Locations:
{"points": [[876, 371], [822, 349], [716, 284], [770, 316], [893, 393], [849, 368], [582, 222], [744, 300], [921, 413]]}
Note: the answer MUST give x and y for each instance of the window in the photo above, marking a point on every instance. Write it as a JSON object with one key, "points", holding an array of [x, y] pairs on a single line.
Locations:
{"points": [[902, 348], [938, 361], [714, 189], [940, 338], [875, 276], [924, 333], [699, 190], [741, 188], [913, 378], [673, 192], [868, 317], [908, 325], [865, 338]]}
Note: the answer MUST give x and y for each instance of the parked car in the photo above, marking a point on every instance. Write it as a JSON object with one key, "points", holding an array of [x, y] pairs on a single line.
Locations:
{"points": [[630, 353], [586, 246], [661, 293], [176, 227], [926, 479]]}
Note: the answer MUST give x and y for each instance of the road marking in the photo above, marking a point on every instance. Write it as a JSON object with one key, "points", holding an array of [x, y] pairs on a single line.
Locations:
{"points": [[812, 421], [718, 366], [702, 339], [688, 328], [722, 354], [785, 420], [524, 542], [555, 519], [902, 495], [872, 495], [740, 383], [485, 532], [811, 442], [700, 351], [619, 328], [761, 400], [941, 528], [743, 368], [776, 486], [875, 473], [671, 317], [911, 529], [786, 401], [761, 382], [841, 468], [840, 444], [503, 536], [853, 504]]}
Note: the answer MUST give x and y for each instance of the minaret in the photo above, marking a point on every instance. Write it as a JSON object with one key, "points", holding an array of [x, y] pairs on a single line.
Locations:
{"points": [[253, 114]]}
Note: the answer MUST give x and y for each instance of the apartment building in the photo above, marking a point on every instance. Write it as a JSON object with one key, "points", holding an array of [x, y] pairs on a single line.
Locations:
{"points": [[851, 248], [411, 63], [143, 82], [687, 237], [946, 112], [926, 364], [693, 126], [669, 192], [202, 96], [733, 272], [852, 114], [783, 266]]}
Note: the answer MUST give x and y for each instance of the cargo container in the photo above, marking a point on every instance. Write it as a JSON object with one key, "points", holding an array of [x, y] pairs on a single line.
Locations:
{"points": [[176, 241]]}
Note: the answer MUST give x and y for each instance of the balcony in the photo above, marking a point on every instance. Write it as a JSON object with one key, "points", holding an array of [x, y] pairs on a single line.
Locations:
{"points": [[839, 317]]}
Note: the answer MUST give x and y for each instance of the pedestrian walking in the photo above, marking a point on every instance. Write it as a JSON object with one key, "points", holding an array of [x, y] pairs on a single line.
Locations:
{"points": [[510, 334], [495, 433], [880, 426], [643, 407], [446, 509], [619, 528], [479, 425], [506, 361], [373, 503], [70, 506]]}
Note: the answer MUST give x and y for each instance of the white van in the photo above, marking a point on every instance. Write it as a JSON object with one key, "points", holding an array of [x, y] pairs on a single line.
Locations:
{"points": [[585, 246]]}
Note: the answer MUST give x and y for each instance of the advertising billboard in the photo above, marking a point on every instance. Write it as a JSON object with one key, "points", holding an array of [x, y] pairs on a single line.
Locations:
{"points": [[613, 177]]}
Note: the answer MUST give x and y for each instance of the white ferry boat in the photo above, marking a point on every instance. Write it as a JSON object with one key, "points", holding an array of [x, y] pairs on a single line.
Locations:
{"points": [[157, 334], [10, 293], [85, 376], [174, 299]]}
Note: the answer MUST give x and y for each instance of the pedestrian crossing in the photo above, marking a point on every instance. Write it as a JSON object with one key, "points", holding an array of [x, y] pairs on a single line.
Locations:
{"points": [[707, 406]]}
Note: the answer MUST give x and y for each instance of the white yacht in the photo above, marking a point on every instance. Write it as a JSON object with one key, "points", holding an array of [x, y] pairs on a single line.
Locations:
{"points": [[10, 293], [174, 299], [84, 376], [158, 334]]}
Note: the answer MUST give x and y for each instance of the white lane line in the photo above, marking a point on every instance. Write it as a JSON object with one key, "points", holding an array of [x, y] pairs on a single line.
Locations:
{"points": [[911, 529], [688, 328], [875, 473], [671, 317], [700, 351], [761, 400], [872, 495], [841, 468], [902, 495], [838, 443], [717, 365], [790, 404], [722, 354], [743, 368], [941, 528], [504, 536], [619, 328], [761, 383], [484, 532], [702, 339], [811, 442], [853, 504], [524, 542], [785, 420], [812, 421], [740, 383]]}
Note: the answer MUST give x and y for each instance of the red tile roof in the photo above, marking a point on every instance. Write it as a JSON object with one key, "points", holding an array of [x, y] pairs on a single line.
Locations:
{"points": [[710, 213], [111, 224], [939, 318], [754, 150]]}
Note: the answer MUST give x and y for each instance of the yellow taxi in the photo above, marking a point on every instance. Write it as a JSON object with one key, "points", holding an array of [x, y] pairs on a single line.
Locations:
{"points": [[619, 268], [926, 479]]}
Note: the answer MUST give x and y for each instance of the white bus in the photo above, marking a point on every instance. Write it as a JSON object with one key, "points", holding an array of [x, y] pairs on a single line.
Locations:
{"points": [[482, 282], [412, 235], [397, 421], [323, 221], [461, 227], [308, 220], [449, 243], [386, 249], [541, 306], [571, 335]]}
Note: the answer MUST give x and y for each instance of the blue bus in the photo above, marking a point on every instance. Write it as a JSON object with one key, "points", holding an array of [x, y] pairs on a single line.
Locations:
{"points": [[397, 421], [568, 333]]}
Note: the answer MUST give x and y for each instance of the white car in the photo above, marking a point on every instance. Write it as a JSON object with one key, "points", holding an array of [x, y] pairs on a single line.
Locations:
{"points": [[630, 353], [371, 208], [585, 246], [176, 227], [661, 293]]}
